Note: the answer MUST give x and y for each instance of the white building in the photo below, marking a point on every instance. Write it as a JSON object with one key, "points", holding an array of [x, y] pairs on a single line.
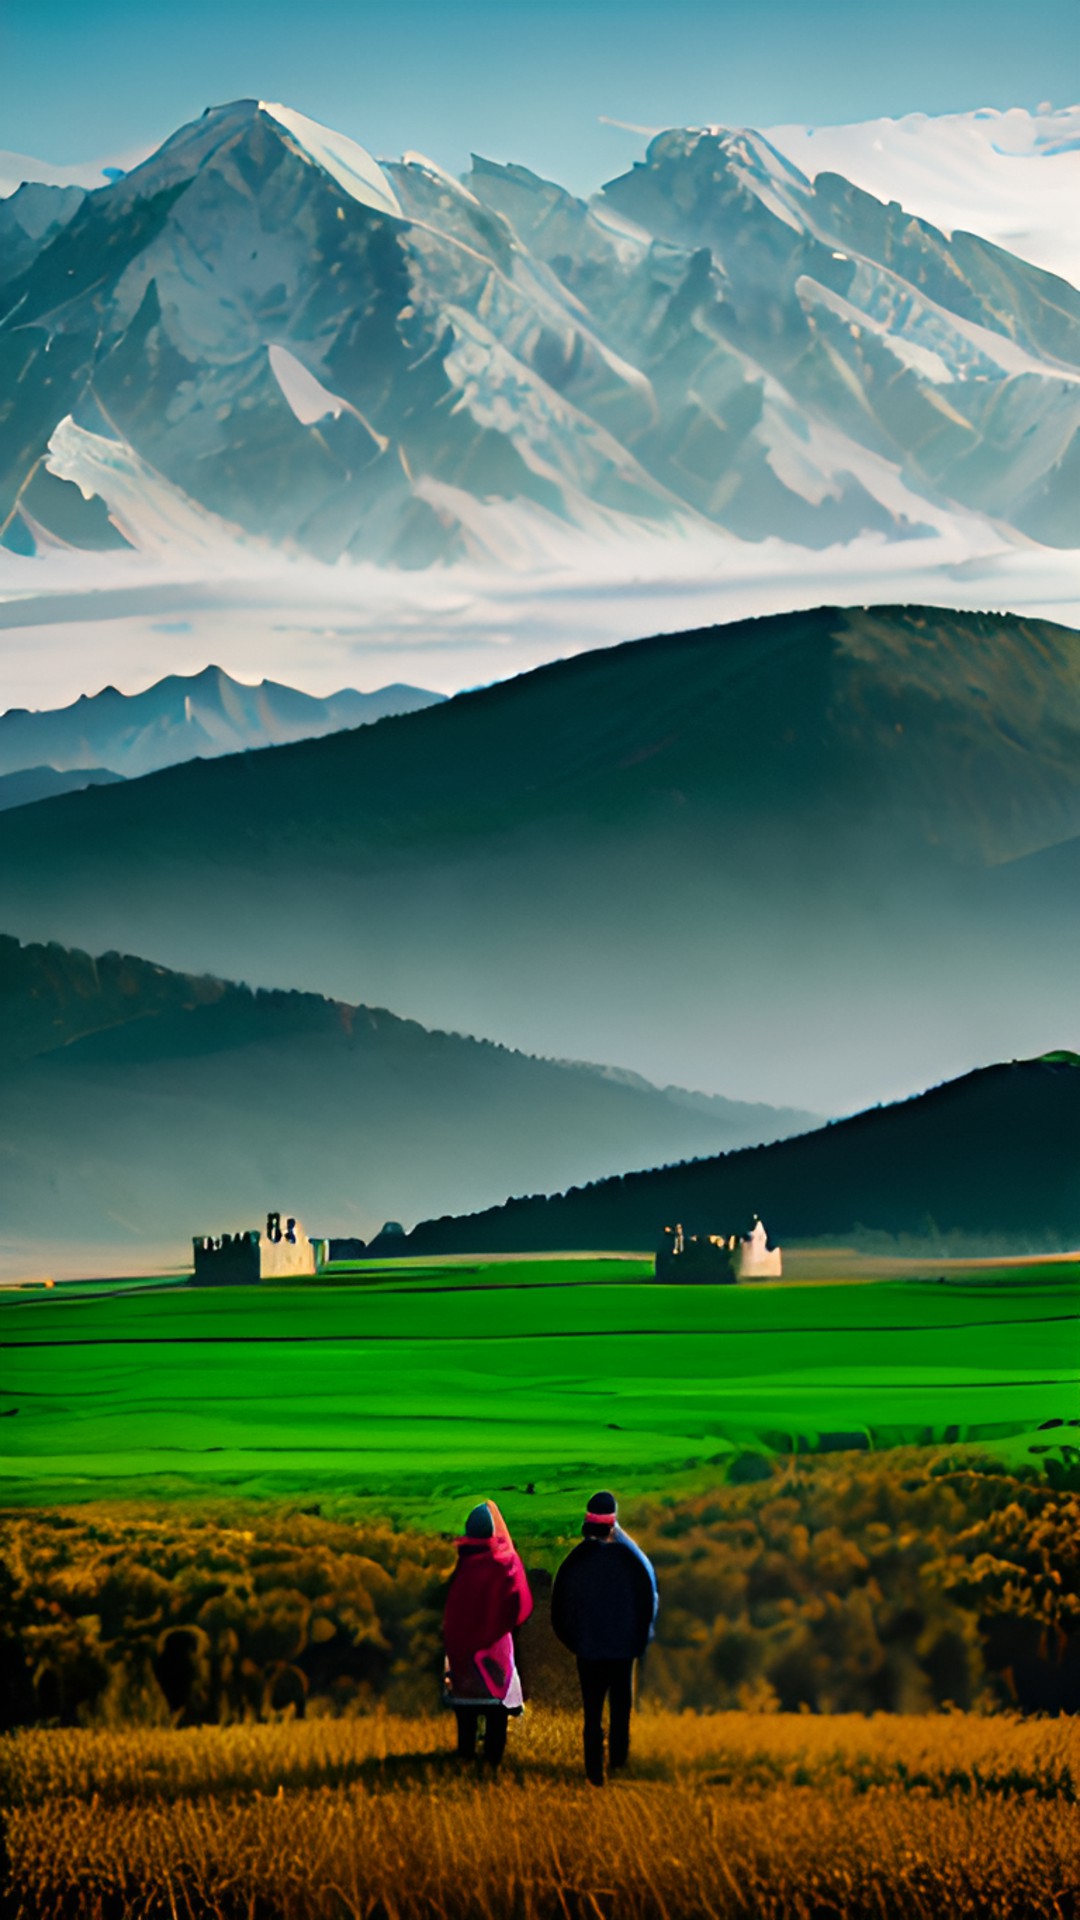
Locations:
{"points": [[282, 1252], [754, 1258]]}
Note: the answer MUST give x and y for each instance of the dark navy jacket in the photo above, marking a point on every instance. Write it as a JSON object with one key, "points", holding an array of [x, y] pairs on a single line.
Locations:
{"points": [[603, 1603]]}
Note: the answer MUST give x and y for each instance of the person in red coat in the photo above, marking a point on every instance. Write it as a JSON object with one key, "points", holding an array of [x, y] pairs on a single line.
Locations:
{"points": [[489, 1596]]}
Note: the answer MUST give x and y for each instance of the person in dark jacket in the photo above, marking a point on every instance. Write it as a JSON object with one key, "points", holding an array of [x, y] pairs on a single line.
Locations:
{"points": [[603, 1607], [488, 1597]]}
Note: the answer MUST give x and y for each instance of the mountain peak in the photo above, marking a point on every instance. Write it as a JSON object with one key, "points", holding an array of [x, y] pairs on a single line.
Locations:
{"points": [[385, 364], [208, 676], [577, 834], [218, 129], [348, 163]]}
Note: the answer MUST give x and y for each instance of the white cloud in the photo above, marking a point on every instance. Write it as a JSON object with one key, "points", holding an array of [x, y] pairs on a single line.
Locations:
{"points": [[71, 621]]}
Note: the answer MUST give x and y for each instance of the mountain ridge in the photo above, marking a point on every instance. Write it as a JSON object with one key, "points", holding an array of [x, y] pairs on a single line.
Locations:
{"points": [[133, 1094], [184, 716], [966, 170], [25, 785], [717, 343], [987, 1159], [639, 853]]}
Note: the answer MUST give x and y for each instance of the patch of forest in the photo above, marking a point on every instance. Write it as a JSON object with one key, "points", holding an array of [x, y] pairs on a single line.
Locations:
{"points": [[900, 1583], [989, 1158]]}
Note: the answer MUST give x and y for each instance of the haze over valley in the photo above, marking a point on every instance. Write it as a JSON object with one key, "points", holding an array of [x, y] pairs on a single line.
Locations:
{"points": [[139, 1107]]}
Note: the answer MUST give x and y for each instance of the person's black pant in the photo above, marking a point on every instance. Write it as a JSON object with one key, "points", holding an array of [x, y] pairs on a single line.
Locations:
{"points": [[468, 1726], [613, 1681]]}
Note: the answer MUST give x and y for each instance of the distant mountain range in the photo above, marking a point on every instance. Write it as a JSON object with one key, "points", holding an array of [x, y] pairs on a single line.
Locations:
{"points": [[261, 335], [182, 717], [806, 859], [968, 170], [22, 788], [993, 1159], [141, 1106]]}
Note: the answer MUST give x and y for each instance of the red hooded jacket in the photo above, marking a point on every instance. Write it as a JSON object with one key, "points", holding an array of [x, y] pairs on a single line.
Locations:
{"points": [[489, 1596]]}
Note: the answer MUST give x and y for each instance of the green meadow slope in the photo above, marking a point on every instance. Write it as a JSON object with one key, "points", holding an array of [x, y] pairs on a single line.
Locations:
{"points": [[418, 1388]]}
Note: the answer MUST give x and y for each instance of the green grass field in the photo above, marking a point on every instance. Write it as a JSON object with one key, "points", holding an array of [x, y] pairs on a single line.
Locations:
{"points": [[414, 1387]]}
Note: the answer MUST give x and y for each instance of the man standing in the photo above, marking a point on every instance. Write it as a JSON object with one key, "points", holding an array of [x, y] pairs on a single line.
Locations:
{"points": [[603, 1606]]}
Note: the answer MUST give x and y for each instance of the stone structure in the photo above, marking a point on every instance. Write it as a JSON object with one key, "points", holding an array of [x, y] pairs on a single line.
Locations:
{"points": [[717, 1259], [227, 1260], [754, 1258], [282, 1252], [690, 1257]]}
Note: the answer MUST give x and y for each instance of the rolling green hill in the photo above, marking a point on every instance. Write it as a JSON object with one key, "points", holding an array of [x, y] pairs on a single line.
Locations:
{"points": [[769, 858], [140, 1106], [993, 1157], [414, 1391]]}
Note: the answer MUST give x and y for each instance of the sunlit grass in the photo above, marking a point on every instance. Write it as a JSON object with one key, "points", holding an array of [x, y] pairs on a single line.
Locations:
{"points": [[724, 1815]]}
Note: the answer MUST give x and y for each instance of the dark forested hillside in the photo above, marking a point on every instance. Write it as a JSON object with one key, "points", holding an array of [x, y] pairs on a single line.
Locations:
{"points": [[140, 1106], [771, 857], [994, 1155]]}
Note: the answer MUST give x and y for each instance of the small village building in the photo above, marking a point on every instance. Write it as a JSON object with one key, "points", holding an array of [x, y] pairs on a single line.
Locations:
{"points": [[716, 1258], [281, 1252], [754, 1258]]}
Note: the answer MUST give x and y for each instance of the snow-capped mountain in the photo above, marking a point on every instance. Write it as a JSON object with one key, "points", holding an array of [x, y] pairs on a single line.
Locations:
{"points": [[1013, 176], [31, 218], [262, 334], [183, 717]]}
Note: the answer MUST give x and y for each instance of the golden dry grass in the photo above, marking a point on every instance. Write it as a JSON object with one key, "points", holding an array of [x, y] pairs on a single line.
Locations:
{"points": [[722, 1816]]}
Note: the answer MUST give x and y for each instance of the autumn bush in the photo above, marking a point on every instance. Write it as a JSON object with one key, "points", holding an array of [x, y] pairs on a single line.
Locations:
{"points": [[900, 1583], [127, 1613]]}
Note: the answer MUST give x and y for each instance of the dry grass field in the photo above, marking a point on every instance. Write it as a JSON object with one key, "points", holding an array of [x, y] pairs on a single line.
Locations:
{"points": [[760, 1816]]}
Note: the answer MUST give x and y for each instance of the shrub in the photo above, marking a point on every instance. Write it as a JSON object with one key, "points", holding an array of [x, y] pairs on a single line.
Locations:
{"points": [[903, 1583]]}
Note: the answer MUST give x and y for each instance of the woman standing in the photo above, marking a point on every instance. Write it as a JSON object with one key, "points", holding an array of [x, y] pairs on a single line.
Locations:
{"points": [[489, 1596]]}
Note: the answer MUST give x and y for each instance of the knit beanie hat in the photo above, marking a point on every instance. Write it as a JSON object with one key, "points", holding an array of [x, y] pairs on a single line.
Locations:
{"points": [[480, 1525], [600, 1514]]}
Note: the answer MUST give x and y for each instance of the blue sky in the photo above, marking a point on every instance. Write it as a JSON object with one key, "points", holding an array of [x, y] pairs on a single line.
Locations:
{"points": [[526, 82]]}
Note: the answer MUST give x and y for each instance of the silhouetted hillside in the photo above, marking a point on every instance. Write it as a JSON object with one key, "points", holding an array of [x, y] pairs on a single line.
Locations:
{"points": [[141, 1106], [994, 1154], [45, 783], [770, 857]]}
